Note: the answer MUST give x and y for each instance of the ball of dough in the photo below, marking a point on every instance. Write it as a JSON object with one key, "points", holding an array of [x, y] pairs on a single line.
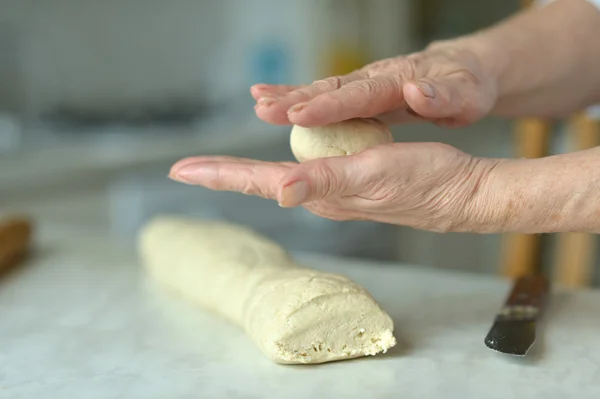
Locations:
{"points": [[342, 138]]}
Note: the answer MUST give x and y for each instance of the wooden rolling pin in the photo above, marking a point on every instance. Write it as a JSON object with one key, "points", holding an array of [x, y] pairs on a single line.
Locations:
{"points": [[15, 238]]}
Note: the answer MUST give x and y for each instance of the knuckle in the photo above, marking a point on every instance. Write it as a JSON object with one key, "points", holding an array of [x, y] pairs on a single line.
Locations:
{"points": [[373, 157], [331, 83], [305, 92], [410, 66], [468, 77], [371, 87], [249, 183], [367, 88], [437, 44], [403, 67], [249, 188], [386, 65], [325, 178]]}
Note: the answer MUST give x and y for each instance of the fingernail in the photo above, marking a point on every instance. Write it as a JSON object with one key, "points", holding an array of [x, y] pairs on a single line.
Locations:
{"points": [[265, 101], [297, 108], [191, 174], [179, 179], [294, 194], [426, 89]]}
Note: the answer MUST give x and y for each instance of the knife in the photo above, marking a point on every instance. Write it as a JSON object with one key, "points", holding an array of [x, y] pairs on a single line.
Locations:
{"points": [[514, 328], [15, 237]]}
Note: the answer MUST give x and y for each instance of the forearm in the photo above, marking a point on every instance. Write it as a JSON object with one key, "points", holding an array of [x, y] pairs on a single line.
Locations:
{"points": [[546, 60], [560, 193]]}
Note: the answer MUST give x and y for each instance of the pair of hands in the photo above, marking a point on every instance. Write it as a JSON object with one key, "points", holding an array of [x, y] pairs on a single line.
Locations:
{"points": [[429, 186]]}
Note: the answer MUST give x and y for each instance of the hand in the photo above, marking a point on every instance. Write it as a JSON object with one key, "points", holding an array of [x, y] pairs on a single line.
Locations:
{"points": [[446, 84], [428, 186]]}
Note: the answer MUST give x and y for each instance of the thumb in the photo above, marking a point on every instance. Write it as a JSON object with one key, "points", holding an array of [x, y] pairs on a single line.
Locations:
{"points": [[318, 179], [448, 98]]}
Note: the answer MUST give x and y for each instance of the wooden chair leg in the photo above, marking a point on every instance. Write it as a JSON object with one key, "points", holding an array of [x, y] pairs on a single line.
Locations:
{"points": [[522, 252], [575, 252]]}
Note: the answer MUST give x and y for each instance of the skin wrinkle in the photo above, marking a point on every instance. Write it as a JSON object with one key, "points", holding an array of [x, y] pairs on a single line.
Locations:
{"points": [[328, 179], [334, 82], [585, 196], [375, 185], [476, 212], [542, 195], [454, 194]]}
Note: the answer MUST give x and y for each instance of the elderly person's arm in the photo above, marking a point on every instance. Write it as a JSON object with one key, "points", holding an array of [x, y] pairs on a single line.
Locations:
{"points": [[546, 60], [428, 186], [541, 62], [559, 193]]}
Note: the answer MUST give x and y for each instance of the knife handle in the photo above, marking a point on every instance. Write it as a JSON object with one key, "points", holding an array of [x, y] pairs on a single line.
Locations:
{"points": [[526, 298], [528, 291], [15, 236]]}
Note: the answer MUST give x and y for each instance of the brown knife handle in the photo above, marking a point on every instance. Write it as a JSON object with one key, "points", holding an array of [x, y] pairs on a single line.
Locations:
{"points": [[15, 237], [528, 291]]}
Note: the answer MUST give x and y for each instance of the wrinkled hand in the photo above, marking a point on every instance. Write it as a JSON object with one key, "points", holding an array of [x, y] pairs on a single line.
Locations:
{"points": [[428, 186], [445, 84]]}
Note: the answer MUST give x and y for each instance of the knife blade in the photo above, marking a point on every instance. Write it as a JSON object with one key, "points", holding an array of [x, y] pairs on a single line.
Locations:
{"points": [[514, 329]]}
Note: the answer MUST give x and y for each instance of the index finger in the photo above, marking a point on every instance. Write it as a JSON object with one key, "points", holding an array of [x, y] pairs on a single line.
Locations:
{"points": [[365, 98], [244, 176], [266, 90], [275, 110]]}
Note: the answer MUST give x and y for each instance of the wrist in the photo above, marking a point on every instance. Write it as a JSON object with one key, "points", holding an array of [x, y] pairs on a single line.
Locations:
{"points": [[482, 212], [506, 200], [554, 194]]}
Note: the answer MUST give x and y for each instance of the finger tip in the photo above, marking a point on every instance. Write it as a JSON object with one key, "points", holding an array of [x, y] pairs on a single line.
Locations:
{"points": [[258, 86], [299, 120], [306, 117], [259, 90], [285, 205], [255, 93], [180, 164], [272, 116], [175, 175]]}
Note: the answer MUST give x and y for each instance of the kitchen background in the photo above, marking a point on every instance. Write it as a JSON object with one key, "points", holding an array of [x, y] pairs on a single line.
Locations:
{"points": [[99, 98]]}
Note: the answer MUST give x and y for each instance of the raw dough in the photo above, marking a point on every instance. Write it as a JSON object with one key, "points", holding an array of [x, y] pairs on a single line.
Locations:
{"points": [[342, 138], [294, 314]]}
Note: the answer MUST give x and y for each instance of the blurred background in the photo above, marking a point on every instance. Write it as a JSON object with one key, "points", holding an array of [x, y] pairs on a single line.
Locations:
{"points": [[99, 98]]}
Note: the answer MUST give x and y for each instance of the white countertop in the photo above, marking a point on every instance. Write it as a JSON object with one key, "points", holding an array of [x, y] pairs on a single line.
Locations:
{"points": [[83, 321]]}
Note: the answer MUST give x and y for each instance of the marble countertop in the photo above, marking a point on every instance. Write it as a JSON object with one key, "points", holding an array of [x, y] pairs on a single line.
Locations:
{"points": [[82, 320]]}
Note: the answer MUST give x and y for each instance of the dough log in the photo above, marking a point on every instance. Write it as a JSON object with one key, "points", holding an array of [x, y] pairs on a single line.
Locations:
{"points": [[294, 314]]}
